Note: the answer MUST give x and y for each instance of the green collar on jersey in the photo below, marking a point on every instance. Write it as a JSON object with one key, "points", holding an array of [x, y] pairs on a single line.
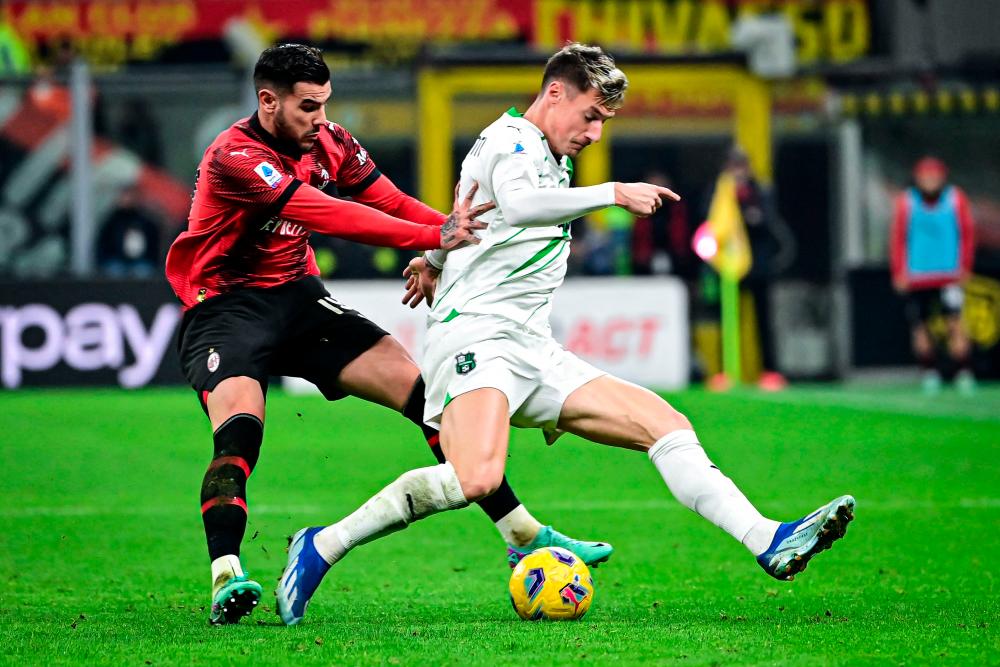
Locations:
{"points": [[517, 114]]}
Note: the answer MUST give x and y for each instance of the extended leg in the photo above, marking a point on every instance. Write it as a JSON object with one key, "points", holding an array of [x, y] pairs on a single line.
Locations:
{"points": [[386, 374], [613, 412], [476, 459], [236, 409]]}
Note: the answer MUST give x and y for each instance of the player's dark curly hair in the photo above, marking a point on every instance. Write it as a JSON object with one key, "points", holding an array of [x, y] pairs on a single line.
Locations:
{"points": [[281, 67], [585, 67]]}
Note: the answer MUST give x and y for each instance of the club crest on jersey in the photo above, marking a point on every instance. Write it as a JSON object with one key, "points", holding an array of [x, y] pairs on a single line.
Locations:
{"points": [[362, 153], [268, 174], [465, 362], [213, 360]]}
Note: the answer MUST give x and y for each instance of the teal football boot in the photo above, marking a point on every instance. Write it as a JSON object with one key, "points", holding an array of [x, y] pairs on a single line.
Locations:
{"points": [[234, 600], [591, 553]]}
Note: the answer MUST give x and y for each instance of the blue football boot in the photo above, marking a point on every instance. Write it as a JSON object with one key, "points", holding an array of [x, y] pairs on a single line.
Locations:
{"points": [[591, 553], [796, 542], [301, 577]]}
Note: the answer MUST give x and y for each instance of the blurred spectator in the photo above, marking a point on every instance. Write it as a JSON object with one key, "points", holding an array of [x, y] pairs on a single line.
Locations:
{"points": [[129, 242], [607, 242], [762, 227], [139, 131], [661, 243], [47, 94], [49, 91], [931, 251]]}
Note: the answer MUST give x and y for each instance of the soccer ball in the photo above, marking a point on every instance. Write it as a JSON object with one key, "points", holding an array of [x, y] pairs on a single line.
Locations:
{"points": [[551, 583]]}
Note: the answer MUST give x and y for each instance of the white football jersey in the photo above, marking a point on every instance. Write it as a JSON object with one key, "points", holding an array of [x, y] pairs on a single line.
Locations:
{"points": [[514, 270]]}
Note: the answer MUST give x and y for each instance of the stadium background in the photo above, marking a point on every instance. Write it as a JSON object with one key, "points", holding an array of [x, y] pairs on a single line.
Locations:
{"points": [[107, 105], [874, 86]]}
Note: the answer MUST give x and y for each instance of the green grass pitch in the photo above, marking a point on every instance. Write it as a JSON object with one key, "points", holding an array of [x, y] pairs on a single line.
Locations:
{"points": [[103, 558]]}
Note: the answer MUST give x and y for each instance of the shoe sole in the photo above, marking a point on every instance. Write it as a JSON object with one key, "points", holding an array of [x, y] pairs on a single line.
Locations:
{"points": [[596, 563], [834, 527], [243, 599], [602, 559]]}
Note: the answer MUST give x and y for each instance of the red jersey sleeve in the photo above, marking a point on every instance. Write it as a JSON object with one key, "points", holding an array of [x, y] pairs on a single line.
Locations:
{"points": [[322, 213], [248, 175], [386, 197], [967, 232], [897, 238]]}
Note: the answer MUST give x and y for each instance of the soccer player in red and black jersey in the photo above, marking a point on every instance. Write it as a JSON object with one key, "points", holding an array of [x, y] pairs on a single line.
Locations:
{"points": [[255, 307]]}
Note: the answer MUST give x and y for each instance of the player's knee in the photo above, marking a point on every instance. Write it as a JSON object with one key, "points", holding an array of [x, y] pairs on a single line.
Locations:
{"points": [[666, 421], [922, 343], [480, 482], [237, 448], [240, 436]]}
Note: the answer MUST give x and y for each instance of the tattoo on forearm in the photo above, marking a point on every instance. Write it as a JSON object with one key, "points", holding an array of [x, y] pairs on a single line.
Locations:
{"points": [[448, 229]]}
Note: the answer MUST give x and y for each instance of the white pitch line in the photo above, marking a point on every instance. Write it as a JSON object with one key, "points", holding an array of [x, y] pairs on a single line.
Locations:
{"points": [[668, 504], [89, 510], [987, 409]]}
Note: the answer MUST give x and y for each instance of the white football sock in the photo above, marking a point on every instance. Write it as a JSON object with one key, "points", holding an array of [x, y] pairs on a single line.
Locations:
{"points": [[414, 495], [518, 527], [225, 568], [700, 486]]}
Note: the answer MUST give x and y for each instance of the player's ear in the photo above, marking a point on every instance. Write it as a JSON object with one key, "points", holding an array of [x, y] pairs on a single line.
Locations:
{"points": [[555, 91], [267, 99]]}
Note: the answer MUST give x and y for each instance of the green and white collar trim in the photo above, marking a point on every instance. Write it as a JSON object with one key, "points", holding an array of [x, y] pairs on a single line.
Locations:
{"points": [[566, 162]]}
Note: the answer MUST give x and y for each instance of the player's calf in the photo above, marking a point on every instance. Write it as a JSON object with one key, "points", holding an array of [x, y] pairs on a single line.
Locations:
{"points": [[224, 514], [614, 412]]}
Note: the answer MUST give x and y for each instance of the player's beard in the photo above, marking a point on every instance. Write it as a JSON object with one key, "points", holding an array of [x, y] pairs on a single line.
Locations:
{"points": [[285, 131]]}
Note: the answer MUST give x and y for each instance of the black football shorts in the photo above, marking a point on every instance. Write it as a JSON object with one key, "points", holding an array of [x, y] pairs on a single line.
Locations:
{"points": [[296, 329], [922, 305]]}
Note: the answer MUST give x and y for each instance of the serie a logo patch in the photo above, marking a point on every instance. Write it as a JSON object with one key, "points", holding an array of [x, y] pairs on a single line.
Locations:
{"points": [[268, 174], [213, 361], [465, 362]]}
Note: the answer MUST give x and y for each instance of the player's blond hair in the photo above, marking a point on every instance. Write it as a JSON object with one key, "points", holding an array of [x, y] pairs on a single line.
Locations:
{"points": [[588, 67]]}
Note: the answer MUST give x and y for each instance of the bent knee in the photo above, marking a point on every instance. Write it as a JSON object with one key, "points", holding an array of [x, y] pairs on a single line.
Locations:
{"points": [[668, 421], [480, 483]]}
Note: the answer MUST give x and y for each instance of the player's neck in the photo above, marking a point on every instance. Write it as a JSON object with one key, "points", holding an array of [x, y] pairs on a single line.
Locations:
{"points": [[931, 197], [264, 125], [536, 116]]}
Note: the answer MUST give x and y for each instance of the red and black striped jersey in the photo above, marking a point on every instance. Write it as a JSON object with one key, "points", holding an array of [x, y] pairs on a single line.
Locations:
{"points": [[257, 198]]}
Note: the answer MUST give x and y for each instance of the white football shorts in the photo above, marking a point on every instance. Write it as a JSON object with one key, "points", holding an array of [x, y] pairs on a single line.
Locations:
{"points": [[478, 351]]}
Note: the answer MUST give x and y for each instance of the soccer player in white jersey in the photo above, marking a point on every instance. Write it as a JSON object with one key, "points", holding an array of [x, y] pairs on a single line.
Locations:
{"points": [[490, 360]]}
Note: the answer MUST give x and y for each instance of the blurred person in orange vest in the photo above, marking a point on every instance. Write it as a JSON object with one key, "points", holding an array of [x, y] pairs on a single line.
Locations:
{"points": [[931, 251]]}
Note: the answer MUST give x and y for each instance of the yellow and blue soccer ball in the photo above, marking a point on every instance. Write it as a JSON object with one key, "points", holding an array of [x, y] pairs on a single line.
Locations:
{"points": [[551, 583]]}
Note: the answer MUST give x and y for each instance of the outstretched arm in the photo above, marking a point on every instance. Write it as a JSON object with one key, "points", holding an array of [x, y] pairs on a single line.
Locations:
{"points": [[524, 205], [321, 213], [356, 222], [386, 197]]}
